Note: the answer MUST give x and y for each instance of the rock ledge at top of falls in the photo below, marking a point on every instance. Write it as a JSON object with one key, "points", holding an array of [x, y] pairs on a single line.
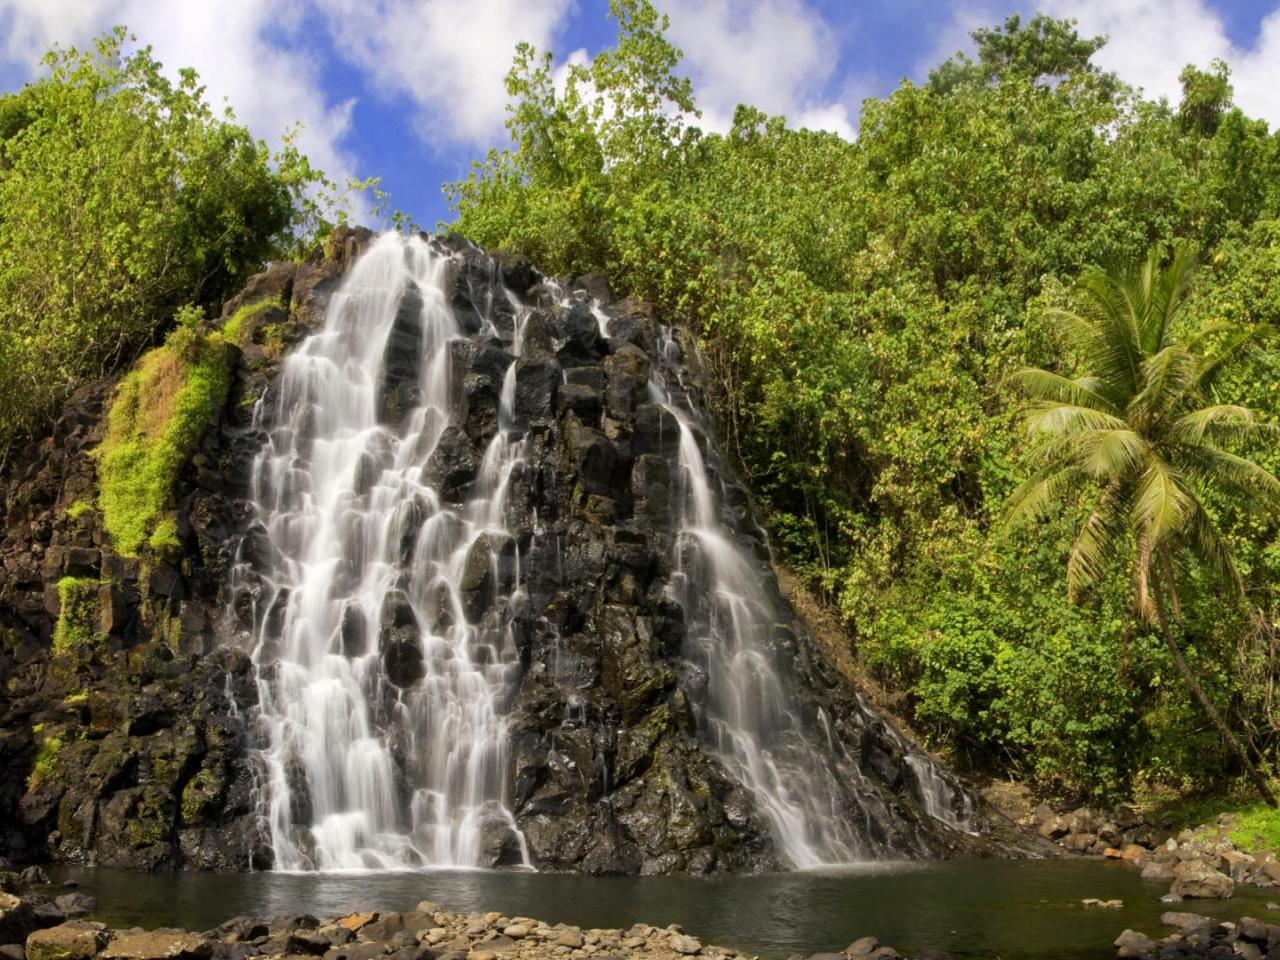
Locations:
{"points": [[610, 771]]}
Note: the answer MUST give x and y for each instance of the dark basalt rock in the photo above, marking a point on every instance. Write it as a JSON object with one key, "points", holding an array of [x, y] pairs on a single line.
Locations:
{"points": [[398, 379], [452, 466], [151, 768], [608, 770]]}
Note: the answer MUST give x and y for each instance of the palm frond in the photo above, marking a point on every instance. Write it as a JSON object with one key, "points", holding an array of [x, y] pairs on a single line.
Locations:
{"points": [[1112, 454], [1050, 417], [1167, 375], [1097, 541], [1160, 503], [1045, 385], [1221, 421], [1212, 467], [1240, 342], [1213, 550], [1034, 497]]}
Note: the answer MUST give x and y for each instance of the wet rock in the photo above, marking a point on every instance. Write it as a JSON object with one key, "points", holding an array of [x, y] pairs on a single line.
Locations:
{"points": [[627, 378], [73, 940], [17, 919], [452, 466], [397, 390], [1184, 920], [684, 944], [76, 904], [1131, 943], [581, 344], [1196, 879], [537, 385], [488, 572]]}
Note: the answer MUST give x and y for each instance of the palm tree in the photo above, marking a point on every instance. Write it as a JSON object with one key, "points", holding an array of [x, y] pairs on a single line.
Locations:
{"points": [[1141, 434]]}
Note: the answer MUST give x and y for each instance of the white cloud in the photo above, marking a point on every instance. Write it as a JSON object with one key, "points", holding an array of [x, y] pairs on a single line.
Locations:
{"points": [[1150, 41], [778, 55], [270, 86], [449, 57]]}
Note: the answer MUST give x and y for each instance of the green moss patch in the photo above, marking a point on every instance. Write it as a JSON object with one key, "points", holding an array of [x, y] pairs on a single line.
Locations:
{"points": [[160, 412], [79, 509], [46, 764], [234, 327], [77, 626]]}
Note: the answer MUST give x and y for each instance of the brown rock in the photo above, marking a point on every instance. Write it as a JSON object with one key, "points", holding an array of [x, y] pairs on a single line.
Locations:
{"points": [[162, 944], [1134, 853], [571, 938], [73, 940], [355, 922]]}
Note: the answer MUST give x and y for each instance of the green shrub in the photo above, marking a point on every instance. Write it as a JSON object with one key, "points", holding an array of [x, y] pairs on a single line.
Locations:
{"points": [[123, 195], [160, 412]]}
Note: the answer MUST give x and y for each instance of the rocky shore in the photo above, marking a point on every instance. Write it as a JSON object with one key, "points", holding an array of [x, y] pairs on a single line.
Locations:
{"points": [[35, 926], [1199, 863], [39, 923]]}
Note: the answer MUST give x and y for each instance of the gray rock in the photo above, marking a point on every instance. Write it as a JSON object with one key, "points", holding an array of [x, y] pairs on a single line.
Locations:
{"points": [[1131, 943], [1196, 879]]}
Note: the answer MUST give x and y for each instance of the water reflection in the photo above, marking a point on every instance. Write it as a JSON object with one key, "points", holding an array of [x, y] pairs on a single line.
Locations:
{"points": [[1009, 909]]}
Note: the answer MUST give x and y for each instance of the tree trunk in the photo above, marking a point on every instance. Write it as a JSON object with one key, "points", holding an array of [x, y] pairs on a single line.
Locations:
{"points": [[1189, 678]]}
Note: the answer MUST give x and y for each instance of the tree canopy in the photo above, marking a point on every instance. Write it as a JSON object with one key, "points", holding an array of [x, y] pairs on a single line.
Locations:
{"points": [[861, 306], [123, 196]]}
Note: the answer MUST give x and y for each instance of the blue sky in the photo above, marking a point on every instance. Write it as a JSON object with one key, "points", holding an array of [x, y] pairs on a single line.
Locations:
{"points": [[411, 90]]}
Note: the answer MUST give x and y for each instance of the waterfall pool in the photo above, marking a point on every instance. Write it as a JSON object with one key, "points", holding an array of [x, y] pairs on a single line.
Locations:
{"points": [[971, 908]]}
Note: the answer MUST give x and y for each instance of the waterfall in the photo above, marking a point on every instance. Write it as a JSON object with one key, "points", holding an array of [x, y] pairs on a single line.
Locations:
{"points": [[420, 478], [747, 713], [380, 692]]}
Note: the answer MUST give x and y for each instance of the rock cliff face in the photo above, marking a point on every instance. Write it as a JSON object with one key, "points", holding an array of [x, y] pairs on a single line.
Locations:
{"points": [[614, 760], [132, 751]]}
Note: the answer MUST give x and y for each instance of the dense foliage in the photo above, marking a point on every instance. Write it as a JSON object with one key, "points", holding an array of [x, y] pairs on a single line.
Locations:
{"points": [[1143, 437], [123, 197], [861, 306]]}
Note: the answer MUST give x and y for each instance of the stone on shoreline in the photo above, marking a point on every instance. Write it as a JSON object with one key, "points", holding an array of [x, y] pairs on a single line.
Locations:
{"points": [[1197, 879], [73, 940]]}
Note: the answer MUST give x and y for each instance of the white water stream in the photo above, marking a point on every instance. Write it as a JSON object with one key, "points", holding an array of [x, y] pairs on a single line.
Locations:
{"points": [[382, 682], [365, 555]]}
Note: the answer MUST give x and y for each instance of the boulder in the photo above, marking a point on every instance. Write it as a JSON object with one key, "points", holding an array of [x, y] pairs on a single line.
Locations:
{"points": [[537, 385], [684, 944], [397, 389], [1198, 880], [73, 940], [1131, 943], [17, 919], [161, 944]]}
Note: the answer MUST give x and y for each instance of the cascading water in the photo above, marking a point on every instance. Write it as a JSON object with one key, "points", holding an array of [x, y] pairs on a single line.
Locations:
{"points": [[379, 695], [506, 607], [748, 713]]}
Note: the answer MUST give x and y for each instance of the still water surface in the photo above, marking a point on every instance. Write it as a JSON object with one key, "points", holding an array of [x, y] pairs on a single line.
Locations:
{"points": [[1015, 910]]}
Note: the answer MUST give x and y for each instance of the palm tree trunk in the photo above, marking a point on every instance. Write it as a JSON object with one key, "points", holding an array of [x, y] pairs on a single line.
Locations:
{"points": [[1189, 678]]}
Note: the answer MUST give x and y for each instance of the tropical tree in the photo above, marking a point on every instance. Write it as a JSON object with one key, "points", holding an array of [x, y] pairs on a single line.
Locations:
{"points": [[1144, 434]]}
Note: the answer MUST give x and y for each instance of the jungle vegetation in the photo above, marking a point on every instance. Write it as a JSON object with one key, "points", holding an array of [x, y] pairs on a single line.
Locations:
{"points": [[871, 312], [881, 320]]}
